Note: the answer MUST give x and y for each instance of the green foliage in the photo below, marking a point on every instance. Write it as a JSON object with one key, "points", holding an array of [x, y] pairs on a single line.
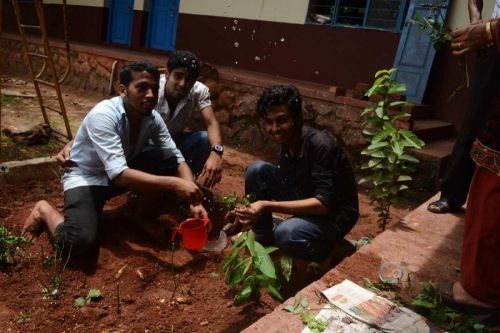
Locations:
{"points": [[430, 302], [299, 308], [438, 34], [386, 158], [249, 268], [53, 267], [232, 201], [9, 245], [93, 296]]}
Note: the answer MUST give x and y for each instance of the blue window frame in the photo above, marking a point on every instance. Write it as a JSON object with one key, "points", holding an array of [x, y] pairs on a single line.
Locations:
{"points": [[371, 14]]}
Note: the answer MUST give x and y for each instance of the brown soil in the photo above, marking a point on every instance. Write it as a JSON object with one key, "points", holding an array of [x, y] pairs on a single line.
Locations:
{"points": [[204, 304]]}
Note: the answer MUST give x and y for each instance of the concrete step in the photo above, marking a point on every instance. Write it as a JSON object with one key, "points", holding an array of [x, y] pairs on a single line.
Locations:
{"points": [[432, 130], [418, 111], [437, 153]]}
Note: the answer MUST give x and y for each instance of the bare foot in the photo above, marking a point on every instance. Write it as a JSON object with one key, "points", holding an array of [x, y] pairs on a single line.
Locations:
{"points": [[460, 295], [34, 224]]}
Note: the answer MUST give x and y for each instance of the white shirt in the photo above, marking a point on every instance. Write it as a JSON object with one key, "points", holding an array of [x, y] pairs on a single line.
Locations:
{"points": [[496, 9], [196, 100], [102, 149]]}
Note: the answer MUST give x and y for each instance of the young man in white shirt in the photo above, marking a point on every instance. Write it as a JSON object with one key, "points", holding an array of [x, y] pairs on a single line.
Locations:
{"points": [[108, 157], [182, 97]]}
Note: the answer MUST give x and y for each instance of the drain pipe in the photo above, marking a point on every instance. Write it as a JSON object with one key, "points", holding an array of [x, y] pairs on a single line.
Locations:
{"points": [[112, 77]]}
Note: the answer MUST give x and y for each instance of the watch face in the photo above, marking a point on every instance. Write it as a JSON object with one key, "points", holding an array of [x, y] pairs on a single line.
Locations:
{"points": [[218, 148]]}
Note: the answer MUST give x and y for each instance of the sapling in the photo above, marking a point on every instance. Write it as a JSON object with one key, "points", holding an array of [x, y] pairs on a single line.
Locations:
{"points": [[386, 158], [249, 268], [9, 245]]}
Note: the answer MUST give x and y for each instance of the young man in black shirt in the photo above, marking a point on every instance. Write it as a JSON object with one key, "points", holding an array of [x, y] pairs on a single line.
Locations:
{"points": [[312, 181]]}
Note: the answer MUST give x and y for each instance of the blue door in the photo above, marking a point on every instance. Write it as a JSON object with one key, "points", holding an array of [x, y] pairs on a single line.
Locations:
{"points": [[162, 24], [121, 13], [415, 53]]}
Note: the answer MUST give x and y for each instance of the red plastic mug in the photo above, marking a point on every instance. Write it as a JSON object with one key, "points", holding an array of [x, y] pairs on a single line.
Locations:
{"points": [[194, 233]]}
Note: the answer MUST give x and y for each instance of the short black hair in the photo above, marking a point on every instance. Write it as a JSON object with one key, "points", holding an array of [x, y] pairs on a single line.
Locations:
{"points": [[181, 58], [126, 74], [277, 95]]}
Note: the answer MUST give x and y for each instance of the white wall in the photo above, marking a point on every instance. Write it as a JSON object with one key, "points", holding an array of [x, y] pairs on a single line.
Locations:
{"points": [[287, 11], [459, 13]]}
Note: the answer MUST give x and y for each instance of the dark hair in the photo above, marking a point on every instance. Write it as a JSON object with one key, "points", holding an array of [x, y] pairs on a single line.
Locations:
{"points": [[186, 59], [126, 74], [280, 95]]}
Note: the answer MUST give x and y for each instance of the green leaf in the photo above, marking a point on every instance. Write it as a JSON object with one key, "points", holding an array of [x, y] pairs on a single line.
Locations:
{"points": [[264, 262], [397, 147], [383, 72], [373, 162], [237, 275], [379, 136], [403, 187], [377, 145], [243, 296], [392, 157], [397, 88], [79, 302], [286, 266], [377, 154], [399, 104], [251, 243], [379, 111], [369, 131], [404, 178], [412, 139], [409, 158], [271, 249], [273, 291], [94, 294]]}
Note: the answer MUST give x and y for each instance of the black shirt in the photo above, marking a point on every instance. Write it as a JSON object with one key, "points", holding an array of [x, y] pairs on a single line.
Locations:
{"points": [[321, 170]]}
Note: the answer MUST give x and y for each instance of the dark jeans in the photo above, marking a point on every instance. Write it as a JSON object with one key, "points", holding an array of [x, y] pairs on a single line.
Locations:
{"points": [[195, 148], [83, 205], [460, 168], [310, 237]]}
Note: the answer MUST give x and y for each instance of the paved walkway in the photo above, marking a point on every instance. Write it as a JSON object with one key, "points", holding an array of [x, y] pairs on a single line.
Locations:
{"points": [[426, 244]]}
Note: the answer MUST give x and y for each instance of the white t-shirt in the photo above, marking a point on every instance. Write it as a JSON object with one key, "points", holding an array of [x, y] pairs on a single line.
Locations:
{"points": [[195, 101]]}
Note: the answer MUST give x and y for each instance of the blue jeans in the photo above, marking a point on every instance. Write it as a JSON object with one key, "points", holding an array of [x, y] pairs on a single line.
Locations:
{"points": [[309, 237], [195, 148]]}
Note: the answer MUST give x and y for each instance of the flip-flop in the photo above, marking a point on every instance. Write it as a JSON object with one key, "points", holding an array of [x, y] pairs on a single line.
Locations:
{"points": [[445, 292], [439, 207]]}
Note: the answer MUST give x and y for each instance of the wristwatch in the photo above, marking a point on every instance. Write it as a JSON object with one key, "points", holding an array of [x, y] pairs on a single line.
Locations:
{"points": [[218, 149]]}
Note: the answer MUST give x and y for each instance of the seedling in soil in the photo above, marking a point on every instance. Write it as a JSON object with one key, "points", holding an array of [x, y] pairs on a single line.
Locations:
{"points": [[93, 296], [24, 317], [9, 246], [299, 308], [249, 268], [430, 303], [53, 267]]}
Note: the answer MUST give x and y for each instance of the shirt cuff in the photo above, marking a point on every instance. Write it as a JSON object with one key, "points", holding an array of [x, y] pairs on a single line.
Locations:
{"points": [[115, 168]]}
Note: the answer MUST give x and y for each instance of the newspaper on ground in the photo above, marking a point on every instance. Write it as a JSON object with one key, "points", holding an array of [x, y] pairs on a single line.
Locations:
{"points": [[353, 309]]}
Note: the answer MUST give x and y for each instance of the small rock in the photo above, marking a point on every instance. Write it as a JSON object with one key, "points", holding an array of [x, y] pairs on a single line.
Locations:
{"points": [[204, 323], [229, 304], [183, 300]]}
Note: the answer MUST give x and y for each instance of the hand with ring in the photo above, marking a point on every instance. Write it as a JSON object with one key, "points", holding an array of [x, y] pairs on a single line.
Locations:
{"points": [[469, 38]]}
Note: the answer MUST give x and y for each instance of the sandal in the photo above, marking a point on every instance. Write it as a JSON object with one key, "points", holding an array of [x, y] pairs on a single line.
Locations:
{"points": [[441, 206], [445, 292]]}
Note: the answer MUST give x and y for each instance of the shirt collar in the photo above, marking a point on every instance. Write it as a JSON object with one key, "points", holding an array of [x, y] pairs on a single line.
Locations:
{"points": [[304, 133]]}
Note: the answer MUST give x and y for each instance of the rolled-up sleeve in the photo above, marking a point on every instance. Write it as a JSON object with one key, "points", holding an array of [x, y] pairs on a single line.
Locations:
{"points": [[107, 143], [202, 98], [163, 140]]}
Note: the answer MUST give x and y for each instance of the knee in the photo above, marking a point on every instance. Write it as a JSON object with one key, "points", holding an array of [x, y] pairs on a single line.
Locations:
{"points": [[284, 235], [256, 170], [76, 242], [202, 139]]}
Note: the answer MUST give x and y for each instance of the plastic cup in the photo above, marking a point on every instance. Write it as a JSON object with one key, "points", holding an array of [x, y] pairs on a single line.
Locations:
{"points": [[194, 233], [391, 272]]}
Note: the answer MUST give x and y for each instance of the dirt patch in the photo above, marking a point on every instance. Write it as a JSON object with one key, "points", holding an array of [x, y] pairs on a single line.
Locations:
{"points": [[139, 299]]}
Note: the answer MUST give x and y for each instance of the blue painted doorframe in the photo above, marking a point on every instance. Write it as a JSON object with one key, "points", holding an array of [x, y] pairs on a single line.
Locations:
{"points": [[162, 24], [415, 53], [121, 14]]}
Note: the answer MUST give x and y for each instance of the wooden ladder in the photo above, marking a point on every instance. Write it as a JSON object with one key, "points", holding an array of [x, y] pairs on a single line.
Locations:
{"points": [[47, 63]]}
